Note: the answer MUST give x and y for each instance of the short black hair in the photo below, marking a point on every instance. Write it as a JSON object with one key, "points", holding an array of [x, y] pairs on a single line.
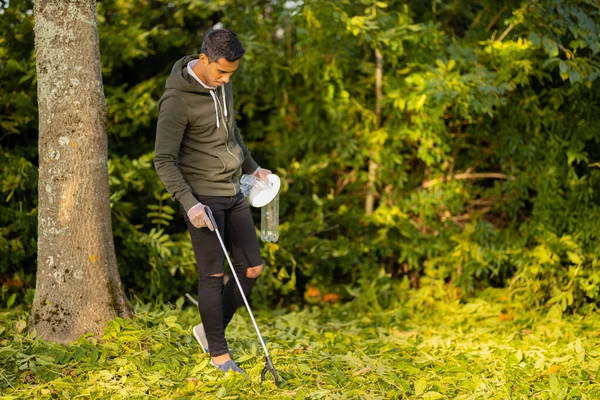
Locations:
{"points": [[222, 43]]}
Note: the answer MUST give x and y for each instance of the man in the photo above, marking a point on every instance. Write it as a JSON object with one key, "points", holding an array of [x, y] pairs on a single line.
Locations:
{"points": [[199, 156]]}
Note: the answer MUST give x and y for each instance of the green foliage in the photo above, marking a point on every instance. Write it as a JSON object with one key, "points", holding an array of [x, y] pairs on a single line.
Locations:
{"points": [[18, 153], [478, 156], [486, 147], [427, 345], [154, 263]]}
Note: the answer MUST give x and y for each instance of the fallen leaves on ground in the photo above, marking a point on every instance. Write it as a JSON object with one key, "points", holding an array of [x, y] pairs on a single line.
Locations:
{"points": [[417, 349]]}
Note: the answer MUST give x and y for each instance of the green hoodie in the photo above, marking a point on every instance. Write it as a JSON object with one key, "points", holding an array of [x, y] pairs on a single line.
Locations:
{"points": [[198, 146]]}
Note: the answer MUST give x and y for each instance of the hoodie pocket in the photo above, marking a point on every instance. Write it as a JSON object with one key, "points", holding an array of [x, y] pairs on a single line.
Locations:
{"points": [[231, 161]]}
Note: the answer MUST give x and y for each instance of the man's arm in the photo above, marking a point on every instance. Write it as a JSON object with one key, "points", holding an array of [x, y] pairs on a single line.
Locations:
{"points": [[172, 122]]}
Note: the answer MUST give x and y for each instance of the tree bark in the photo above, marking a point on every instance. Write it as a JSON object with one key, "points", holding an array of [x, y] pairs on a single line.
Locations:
{"points": [[78, 287]]}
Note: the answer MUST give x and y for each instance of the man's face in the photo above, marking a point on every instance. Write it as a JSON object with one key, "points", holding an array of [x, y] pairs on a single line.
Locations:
{"points": [[216, 73]]}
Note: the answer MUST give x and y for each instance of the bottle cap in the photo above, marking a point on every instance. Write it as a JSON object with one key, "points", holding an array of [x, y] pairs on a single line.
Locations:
{"points": [[263, 192]]}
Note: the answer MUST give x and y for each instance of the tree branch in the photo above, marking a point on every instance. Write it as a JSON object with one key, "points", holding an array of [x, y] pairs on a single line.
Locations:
{"points": [[510, 27], [495, 19], [469, 175]]}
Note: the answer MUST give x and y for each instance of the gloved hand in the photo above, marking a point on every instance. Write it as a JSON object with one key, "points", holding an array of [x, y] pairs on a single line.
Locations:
{"points": [[198, 217], [262, 173]]}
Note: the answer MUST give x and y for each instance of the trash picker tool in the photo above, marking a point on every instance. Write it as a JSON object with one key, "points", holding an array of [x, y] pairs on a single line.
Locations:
{"points": [[268, 363]]}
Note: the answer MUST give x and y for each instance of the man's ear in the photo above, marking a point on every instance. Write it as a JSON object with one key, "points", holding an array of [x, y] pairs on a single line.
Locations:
{"points": [[204, 59]]}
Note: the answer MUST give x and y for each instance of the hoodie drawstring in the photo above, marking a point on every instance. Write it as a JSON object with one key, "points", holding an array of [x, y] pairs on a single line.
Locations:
{"points": [[224, 105], [212, 93], [224, 102]]}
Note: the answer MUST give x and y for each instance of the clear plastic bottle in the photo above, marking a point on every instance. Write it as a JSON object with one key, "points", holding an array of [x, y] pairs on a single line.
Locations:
{"points": [[269, 221]]}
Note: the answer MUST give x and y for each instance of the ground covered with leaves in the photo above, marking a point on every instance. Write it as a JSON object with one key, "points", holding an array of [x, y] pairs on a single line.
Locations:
{"points": [[426, 346]]}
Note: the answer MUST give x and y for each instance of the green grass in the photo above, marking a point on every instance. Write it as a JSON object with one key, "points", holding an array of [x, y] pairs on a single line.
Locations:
{"points": [[420, 348]]}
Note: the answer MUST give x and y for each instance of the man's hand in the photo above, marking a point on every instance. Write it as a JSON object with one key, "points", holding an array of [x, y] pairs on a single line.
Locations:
{"points": [[262, 173], [198, 217]]}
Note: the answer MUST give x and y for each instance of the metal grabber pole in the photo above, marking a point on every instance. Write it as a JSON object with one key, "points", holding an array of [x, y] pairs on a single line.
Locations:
{"points": [[268, 363]]}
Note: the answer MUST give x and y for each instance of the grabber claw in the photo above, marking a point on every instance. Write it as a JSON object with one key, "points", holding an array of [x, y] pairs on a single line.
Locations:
{"points": [[269, 368]]}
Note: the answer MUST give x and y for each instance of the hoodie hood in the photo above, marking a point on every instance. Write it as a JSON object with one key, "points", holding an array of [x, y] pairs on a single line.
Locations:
{"points": [[180, 78]]}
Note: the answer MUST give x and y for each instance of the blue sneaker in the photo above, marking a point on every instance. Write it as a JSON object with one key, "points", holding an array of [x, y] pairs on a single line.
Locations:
{"points": [[229, 365], [200, 336]]}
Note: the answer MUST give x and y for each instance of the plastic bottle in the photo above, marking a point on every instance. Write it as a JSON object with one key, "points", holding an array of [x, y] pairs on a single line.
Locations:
{"points": [[269, 221]]}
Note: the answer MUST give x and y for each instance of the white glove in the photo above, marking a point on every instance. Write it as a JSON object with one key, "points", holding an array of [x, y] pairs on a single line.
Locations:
{"points": [[262, 173], [198, 217]]}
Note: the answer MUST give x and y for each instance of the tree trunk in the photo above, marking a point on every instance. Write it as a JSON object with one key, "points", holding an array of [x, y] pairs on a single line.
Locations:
{"points": [[78, 287], [372, 173]]}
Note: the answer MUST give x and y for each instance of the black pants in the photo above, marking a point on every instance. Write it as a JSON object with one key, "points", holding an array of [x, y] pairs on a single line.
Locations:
{"points": [[217, 303]]}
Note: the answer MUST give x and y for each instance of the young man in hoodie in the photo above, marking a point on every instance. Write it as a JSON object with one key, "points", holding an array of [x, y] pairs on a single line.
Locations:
{"points": [[200, 156]]}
